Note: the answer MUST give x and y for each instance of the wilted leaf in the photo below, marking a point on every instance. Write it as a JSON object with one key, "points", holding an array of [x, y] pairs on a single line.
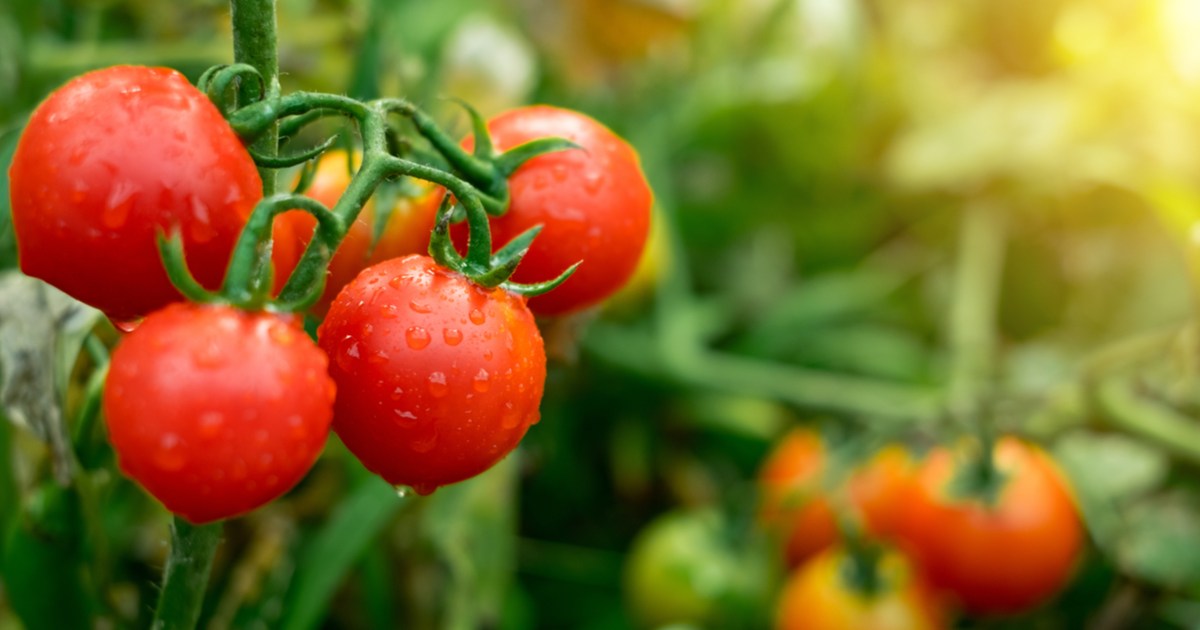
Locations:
{"points": [[41, 329]]}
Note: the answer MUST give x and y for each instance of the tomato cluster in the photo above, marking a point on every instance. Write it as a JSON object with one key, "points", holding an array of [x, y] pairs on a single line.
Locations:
{"points": [[996, 548], [427, 372]]}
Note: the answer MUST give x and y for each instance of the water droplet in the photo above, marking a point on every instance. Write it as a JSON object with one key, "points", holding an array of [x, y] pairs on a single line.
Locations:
{"points": [[396, 282], [282, 334], [296, 424], [347, 354], [419, 307], [405, 419], [208, 356], [534, 417], [487, 355], [200, 229], [389, 311], [482, 381], [423, 444], [592, 181], [416, 337], [402, 491], [378, 357], [540, 181], [452, 336], [560, 172], [510, 418], [437, 385], [424, 489], [170, 455], [477, 317], [397, 393], [125, 325], [211, 423], [118, 204]]}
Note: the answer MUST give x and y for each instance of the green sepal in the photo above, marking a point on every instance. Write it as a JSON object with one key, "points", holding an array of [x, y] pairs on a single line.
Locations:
{"points": [[441, 248], [484, 147], [288, 161], [515, 250], [538, 288], [508, 162], [170, 249]]}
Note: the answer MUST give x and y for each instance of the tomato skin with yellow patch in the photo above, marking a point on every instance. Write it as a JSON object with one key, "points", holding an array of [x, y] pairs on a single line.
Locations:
{"points": [[438, 378]]}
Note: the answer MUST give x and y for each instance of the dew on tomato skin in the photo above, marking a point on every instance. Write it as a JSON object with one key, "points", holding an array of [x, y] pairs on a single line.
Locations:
{"points": [[395, 282], [169, 456], [405, 419], [423, 443], [418, 306], [379, 357], [397, 393], [482, 381], [298, 430], [416, 337], [424, 489], [593, 180], [560, 172], [437, 385], [477, 317], [118, 204], [487, 355], [125, 325], [211, 423], [452, 336], [510, 417], [389, 311], [348, 354]]}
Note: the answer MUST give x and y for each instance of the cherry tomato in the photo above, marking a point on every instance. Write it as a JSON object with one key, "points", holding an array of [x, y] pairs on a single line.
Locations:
{"points": [[819, 596], [407, 232], [438, 378], [1004, 557], [216, 411], [594, 205], [796, 504], [108, 160]]}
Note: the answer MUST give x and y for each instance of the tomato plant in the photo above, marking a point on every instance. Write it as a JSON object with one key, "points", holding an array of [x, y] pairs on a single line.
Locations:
{"points": [[822, 595], [593, 203], [216, 411], [438, 377], [108, 160], [797, 504], [409, 220], [1005, 553]]}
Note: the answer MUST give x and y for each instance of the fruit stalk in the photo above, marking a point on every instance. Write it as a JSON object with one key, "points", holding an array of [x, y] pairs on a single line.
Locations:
{"points": [[254, 43], [185, 576]]}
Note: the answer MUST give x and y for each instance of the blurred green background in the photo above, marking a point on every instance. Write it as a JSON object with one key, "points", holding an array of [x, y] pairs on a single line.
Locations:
{"points": [[884, 218]]}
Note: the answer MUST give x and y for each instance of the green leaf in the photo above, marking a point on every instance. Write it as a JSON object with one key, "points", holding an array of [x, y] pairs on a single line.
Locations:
{"points": [[1110, 467], [1162, 541], [41, 332], [337, 547], [8, 240]]}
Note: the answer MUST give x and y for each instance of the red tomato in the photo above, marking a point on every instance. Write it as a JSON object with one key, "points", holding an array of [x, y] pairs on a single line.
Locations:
{"points": [[438, 378], [407, 232], [216, 411], [818, 596], [796, 503], [109, 159], [1006, 557], [594, 205]]}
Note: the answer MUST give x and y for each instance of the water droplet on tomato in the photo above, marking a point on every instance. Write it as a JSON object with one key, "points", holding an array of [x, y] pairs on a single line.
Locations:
{"points": [[424, 489], [560, 172], [389, 311], [476, 316], [118, 205], [452, 336], [534, 418], [487, 355], [170, 455], [396, 282], [416, 337], [593, 181], [348, 354], [405, 419], [125, 325], [482, 381], [298, 429], [402, 491], [378, 357], [201, 229], [208, 356], [510, 418], [423, 444], [419, 307], [282, 334], [211, 423], [397, 393], [437, 385]]}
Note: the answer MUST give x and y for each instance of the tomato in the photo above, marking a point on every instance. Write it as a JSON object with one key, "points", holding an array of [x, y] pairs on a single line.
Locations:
{"points": [[1006, 557], [796, 503], [679, 570], [108, 160], [216, 411], [819, 596], [594, 205], [407, 232], [655, 260], [438, 378]]}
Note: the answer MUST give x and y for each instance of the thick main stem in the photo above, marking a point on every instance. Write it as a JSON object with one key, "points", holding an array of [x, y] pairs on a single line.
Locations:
{"points": [[254, 43], [185, 577]]}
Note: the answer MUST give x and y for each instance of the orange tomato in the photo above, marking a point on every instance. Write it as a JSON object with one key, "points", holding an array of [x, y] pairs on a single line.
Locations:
{"points": [[1002, 557], [819, 596]]}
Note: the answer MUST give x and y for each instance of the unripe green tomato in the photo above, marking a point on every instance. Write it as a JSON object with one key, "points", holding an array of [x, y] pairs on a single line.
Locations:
{"points": [[679, 571]]}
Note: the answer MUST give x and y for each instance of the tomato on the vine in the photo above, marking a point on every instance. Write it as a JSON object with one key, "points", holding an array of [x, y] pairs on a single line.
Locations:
{"points": [[217, 411], [438, 378], [593, 203], [108, 160], [796, 504], [821, 596], [409, 222], [1002, 556]]}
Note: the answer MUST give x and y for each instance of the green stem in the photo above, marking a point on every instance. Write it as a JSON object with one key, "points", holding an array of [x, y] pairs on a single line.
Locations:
{"points": [[254, 44], [185, 577]]}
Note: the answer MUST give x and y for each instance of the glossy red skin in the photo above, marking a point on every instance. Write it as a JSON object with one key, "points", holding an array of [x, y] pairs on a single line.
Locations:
{"points": [[108, 159], [407, 232], [215, 411], [818, 597], [438, 379], [594, 205], [1003, 559]]}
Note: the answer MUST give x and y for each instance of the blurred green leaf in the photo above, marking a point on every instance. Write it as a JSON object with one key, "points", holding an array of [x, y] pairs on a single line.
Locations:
{"points": [[8, 239], [1161, 542], [1111, 468]]}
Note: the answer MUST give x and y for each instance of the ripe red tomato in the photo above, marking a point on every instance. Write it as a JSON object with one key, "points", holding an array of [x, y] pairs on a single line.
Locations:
{"points": [[438, 378], [594, 205], [216, 411], [796, 502], [108, 159], [1006, 557], [407, 232], [818, 596]]}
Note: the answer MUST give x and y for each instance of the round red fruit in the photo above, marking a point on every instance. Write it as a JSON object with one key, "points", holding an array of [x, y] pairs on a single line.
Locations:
{"points": [[108, 160], [438, 378], [216, 411]]}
